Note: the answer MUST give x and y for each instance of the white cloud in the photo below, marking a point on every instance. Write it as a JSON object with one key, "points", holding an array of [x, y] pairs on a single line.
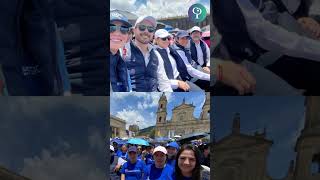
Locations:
{"points": [[135, 117], [126, 5], [96, 140], [62, 167], [157, 8], [146, 100], [60, 163]]}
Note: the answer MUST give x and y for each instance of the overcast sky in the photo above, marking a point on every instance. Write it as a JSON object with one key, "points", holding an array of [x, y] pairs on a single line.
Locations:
{"points": [[50, 138], [157, 8], [283, 118]]}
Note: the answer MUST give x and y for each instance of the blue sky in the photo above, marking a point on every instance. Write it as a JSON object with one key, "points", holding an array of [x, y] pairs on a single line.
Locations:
{"points": [[54, 138], [283, 118], [157, 8], [140, 108]]}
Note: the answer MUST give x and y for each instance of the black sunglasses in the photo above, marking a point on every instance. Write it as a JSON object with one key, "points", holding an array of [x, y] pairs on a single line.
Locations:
{"points": [[166, 38], [144, 27], [122, 29]]}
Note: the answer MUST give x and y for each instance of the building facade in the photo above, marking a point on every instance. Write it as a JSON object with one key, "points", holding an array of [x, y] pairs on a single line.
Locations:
{"points": [[5, 174], [183, 121], [183, 22], [244, 157], [118, 127]]}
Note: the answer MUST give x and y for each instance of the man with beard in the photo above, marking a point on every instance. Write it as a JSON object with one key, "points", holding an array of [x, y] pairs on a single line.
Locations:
{"points": [[147, 74], [172, 149], [200, 51], [199, 78]]}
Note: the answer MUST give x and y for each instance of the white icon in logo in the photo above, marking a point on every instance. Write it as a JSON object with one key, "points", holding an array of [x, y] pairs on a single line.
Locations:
{"points": [[116, 15], [197, 11]]}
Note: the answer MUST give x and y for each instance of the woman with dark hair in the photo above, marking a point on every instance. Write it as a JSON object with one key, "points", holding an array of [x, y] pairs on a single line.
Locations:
{"points": [[188, 165]]}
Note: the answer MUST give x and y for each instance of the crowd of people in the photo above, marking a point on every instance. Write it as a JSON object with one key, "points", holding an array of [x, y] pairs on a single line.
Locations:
{"points": [[156, 162], [146, 59], [266, 47]]}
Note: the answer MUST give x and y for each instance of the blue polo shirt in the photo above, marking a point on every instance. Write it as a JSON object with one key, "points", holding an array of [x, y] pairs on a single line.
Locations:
{"points": [[171, 162], [122, 155], [153, 173], [133, 171]]}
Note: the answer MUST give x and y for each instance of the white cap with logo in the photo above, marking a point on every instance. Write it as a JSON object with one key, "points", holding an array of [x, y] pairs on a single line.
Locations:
{"points": [[150, 19], [160, 149], [161, 33], [195, 28]]}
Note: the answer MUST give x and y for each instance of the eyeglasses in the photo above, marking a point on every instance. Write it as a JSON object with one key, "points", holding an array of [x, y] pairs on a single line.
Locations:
{"points": [[144, 27], [122, 29], [166, 38]]}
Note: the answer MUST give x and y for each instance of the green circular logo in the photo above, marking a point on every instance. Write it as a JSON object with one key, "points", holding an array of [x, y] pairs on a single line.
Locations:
{"points": [[197, 13]]}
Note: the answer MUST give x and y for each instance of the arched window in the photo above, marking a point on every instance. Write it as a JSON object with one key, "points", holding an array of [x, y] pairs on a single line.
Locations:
{"points": [[160, 119], [161, 106]]}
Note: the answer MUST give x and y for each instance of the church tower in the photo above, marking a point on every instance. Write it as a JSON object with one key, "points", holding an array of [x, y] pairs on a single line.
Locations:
{"points": [[205, 114], [162, 109], [308, 144]]}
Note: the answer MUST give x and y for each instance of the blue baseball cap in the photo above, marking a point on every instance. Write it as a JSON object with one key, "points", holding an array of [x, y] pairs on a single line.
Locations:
{"points": [[182, 33], [117, 16], [174, 145], [132, 149]]}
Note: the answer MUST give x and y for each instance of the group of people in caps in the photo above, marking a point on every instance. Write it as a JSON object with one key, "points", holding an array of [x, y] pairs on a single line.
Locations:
{"points": [[146, 59], [170, 162]]}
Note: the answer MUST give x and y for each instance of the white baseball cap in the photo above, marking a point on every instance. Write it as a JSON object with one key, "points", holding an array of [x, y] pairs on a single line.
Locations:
{"points": [[111, 148], [195, 28], [146, 18], [161, 149], [161, 33]]}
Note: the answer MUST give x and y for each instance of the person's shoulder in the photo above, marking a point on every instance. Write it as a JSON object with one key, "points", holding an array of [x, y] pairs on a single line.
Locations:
{"points": [[205, 172]]}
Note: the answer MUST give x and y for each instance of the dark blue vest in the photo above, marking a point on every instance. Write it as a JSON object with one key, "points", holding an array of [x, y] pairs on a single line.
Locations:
{"points": [[144, 79], [186, 52], [118, 74], [194, 53], [232, 27], [181, 67]]}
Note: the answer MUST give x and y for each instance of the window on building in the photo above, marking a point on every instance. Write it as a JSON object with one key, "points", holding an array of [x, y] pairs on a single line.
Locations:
{"points": [[161, 106], [208, 114], [160, 119], [315, 164]]}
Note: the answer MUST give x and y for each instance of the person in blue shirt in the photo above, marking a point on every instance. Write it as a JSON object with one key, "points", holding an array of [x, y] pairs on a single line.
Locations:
{"points": [[133, 169], [159, 169], [123, 152], [139, 148], [172, 149], [119, 34], [147, 154]]}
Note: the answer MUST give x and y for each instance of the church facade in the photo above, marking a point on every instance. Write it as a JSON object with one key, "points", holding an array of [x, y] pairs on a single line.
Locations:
{"points": [[244, 157], [5, 174], [183, 121]]}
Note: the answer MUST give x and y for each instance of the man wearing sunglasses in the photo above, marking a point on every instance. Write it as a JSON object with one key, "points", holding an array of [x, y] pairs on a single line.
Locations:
{"points": [[197, 77], [146, 72], [174, 66], [119, 34]]}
